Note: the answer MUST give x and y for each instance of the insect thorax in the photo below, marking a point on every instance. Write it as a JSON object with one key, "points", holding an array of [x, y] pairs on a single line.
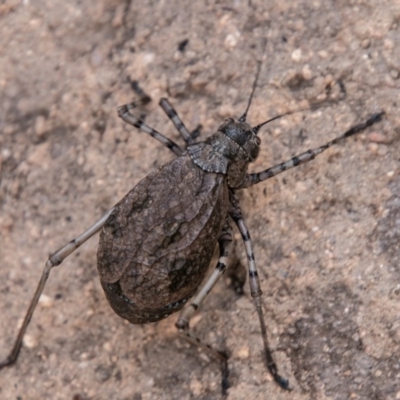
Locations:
{"points": [[229, 151]]}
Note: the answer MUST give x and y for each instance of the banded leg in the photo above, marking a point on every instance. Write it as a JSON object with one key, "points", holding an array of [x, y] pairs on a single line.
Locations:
{"points": [[124, 112], [225, 245], [252, 179], [255, 289], [144, 98], [54, 260], [189, 137], [217, 354]]}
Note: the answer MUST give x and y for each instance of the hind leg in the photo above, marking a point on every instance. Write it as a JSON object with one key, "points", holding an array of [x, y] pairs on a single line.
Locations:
{"points": [[225, 244], [54, 260]]}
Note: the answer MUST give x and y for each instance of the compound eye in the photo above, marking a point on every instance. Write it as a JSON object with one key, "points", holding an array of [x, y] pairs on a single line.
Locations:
{"points": [[257, 140]]}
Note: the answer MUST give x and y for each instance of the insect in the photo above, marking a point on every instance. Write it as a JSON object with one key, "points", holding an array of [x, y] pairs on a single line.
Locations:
{"points": [[156, 244]]}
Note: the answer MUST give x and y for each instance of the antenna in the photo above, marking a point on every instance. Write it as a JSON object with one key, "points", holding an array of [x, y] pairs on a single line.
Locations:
{"points": [[257, 128], [259, 65]]}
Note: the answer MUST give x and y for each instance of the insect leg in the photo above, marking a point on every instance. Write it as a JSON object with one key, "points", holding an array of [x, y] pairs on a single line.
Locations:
{"points": [[54, 260], [220, 355], [144, 98], [252, 179], [236, 273], [179, 125], [196, 132], [255, 289], [125, 113], [225, 245]]}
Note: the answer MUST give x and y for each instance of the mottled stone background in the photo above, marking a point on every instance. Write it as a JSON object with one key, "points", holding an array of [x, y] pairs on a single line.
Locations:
{"points": [[326, 235]]}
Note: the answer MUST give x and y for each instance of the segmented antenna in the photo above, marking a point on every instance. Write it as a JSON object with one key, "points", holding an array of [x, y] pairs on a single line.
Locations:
{"points": [[259, 65], [375, 118], [257, 128]]}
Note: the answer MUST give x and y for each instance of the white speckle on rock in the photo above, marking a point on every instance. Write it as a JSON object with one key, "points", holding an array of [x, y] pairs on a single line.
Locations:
{"points": [[244, 352], [323, 54], [296, 55], [40, 125], [306, 72], [30, 341], [148, 58], [196, 387], [150, 382], [45, 301], [232, 39]]}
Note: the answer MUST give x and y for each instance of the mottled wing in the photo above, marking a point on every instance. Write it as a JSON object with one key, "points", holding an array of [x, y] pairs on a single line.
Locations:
{"points": [[158, 242]]}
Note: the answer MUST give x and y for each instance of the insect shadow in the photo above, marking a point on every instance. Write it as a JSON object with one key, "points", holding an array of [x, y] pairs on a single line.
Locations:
{"points": [[156, 244]]}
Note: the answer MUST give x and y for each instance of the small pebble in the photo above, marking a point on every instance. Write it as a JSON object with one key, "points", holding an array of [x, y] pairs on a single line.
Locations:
{"points": [[232, 39], [118, 18], [40, 125], [323, 54], [373, 148], [150, 382], [148, 58], [6, 222], [244, 352], [388, 44], [296, 55], [377, 137], [29, 341], [365, 43], [107, 347], [103, 373], [45, 301], [196, 387], [306, 72]]}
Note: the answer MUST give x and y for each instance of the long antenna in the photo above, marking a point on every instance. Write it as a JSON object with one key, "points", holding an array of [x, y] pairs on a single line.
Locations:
{"points": [[257, 128], [259, 65]]}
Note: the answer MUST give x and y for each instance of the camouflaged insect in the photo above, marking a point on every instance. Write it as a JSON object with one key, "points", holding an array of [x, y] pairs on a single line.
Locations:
{"points": [[156, 244]]}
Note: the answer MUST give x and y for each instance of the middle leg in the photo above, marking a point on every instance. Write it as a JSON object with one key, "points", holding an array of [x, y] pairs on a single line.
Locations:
{"points": [[255, 289]]}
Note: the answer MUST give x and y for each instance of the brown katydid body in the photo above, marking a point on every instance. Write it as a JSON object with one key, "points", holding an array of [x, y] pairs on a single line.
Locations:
{"points": [[157, 244]]}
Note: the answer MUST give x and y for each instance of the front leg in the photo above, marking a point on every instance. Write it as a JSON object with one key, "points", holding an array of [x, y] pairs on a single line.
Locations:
{"points": [[252, 179], [189, 137], [125, 113]]}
